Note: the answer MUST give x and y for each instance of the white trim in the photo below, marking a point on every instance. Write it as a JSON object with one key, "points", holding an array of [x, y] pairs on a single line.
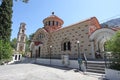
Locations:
{"points": [[101, 31]]}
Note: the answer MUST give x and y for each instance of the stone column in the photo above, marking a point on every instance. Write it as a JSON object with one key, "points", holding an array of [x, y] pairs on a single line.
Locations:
{"points": [[17, 47], [24, 45], [93, 49]]}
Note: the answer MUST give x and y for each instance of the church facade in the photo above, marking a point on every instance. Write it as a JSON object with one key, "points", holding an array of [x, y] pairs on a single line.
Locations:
{"points": [[74, 40]]}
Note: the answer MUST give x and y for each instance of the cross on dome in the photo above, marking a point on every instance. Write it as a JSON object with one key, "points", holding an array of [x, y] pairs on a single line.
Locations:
{"points": [[52, 13]]}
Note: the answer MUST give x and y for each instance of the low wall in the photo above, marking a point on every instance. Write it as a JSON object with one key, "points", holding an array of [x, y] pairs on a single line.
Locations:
{"points": [[112, 74], [56, 62], [43, 61], [73, 64], [59, 62]]}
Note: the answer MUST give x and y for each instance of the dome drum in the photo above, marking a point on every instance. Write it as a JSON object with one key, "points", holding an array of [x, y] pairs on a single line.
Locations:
{"points": [[52, 23]]}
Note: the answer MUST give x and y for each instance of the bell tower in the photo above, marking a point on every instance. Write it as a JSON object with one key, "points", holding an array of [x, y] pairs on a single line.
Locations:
{"points": [[52, 23], [21, 37]]}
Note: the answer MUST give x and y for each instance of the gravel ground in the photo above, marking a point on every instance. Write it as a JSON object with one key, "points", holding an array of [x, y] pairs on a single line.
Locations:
{"points": [[40, 72]]}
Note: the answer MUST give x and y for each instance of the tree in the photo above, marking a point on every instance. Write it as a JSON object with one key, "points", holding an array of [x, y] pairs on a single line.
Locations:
{"points": [[5, 51], [31, 36], [25, 1], [113, 45], [5, 19], [28, 41], [27, 44], [13, 43]]}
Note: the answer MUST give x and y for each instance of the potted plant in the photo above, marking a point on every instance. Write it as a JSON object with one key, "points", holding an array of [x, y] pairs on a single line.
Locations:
{"points": [[113, 46]]}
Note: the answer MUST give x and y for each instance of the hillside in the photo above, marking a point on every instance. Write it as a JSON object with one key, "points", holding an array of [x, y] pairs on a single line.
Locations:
{"points": [[112, 23]]}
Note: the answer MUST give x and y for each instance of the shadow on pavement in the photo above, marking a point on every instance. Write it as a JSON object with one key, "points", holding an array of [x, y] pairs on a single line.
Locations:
{"points": [[54, 66]]}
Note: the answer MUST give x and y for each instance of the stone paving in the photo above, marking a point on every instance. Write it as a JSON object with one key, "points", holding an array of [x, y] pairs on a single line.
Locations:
{"points": [[41, 72]]}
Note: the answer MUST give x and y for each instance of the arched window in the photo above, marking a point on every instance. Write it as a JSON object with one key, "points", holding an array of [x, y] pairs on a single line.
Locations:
{"points": [[66, 45], [69, 45], [46, 23], [56, 23], [23, 31], [53, 23], [49, 23], [21, 48], [22, 39], [41, 35]]}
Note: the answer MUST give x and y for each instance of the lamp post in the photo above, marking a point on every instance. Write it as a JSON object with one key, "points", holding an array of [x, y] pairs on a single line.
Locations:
{"points": [[78, 42], [50, 53], [79, 56]]}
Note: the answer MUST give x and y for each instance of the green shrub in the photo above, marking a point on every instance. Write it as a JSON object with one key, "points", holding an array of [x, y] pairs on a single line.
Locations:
{"points": [[5, 51], [113, 45]]}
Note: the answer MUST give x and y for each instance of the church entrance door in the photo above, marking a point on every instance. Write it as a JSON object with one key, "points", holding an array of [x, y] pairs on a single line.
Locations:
{"points": [[39, 52]]}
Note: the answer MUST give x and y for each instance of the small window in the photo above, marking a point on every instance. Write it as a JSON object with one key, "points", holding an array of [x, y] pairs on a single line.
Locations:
{"points": [[53, 23], [86, 25], [72, 29], [49, 23], [41, 36], [19, 57], [15, 57], [57, 23], [22, 31]]}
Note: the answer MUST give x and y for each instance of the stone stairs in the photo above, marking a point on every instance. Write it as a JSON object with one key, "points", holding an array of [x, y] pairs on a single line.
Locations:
{"points": [[96, 66]]}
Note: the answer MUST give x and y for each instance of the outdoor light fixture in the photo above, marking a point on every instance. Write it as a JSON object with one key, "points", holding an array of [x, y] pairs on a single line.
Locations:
{"points": [[78, 42], [79, 57], [50, 53]]}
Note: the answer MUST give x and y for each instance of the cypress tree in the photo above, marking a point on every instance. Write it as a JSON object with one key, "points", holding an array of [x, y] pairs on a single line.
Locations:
{"points": [[5, 19]]}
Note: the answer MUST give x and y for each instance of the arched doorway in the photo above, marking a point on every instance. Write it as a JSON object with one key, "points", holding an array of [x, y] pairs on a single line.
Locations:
{"points": [[32, 47], [99, 37]]}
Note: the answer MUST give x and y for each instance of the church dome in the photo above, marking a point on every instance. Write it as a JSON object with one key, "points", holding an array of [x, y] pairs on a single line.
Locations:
{"points": [[52, 23], [53, 18]]}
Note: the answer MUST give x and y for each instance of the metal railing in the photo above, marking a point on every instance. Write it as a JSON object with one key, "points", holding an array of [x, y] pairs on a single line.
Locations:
{"points": [[85, 59], [107, 59]]}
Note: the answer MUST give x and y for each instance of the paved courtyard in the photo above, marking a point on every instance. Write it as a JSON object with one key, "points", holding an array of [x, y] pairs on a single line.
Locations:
{"points": [[40, 72]]}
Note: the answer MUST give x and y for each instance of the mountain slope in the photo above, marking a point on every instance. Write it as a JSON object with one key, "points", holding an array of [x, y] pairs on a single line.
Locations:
{"points": [[112, 23]]}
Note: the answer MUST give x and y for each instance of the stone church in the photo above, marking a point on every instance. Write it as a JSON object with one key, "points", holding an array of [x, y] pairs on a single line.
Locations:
{"points": [[84, 37]]}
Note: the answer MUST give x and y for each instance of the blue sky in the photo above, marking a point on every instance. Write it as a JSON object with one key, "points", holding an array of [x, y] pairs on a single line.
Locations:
{"points": [[71, 11]]}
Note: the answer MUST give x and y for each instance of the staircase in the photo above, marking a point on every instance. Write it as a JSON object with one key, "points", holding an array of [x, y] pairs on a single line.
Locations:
{"points": [[96, 66]]}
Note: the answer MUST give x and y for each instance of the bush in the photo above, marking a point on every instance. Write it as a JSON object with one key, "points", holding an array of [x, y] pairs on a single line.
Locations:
{"points": [[113, 45], [5, 51]]}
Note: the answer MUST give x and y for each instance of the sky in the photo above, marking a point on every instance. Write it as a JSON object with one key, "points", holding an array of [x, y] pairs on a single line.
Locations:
{"points": [[70, 11]]}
